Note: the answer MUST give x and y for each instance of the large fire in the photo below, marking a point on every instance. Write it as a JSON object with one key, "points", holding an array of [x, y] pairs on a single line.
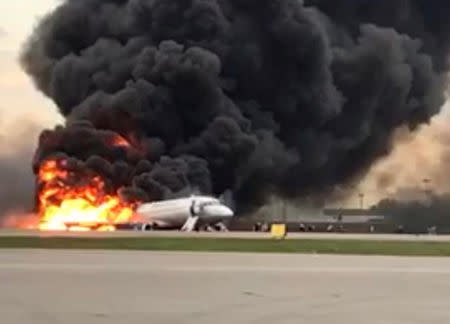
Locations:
{"points": [[81, 207]]}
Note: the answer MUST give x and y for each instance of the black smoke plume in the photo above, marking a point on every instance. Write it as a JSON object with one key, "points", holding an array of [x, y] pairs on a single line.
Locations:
{"points": [[259, 97], [417, 216]]}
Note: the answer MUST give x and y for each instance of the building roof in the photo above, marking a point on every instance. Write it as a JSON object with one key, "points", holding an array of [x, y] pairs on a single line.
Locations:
{"points": [[349, 212]]}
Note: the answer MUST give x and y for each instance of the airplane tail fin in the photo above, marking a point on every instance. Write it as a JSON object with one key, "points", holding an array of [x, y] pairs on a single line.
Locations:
{"points": [[227, 199]]}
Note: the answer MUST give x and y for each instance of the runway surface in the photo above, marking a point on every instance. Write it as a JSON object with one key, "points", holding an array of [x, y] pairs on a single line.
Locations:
{"points": [[247, 235], [146, 287]]}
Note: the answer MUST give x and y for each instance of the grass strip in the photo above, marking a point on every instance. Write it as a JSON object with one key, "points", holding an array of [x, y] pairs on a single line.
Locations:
{"points": [[357, 247]]}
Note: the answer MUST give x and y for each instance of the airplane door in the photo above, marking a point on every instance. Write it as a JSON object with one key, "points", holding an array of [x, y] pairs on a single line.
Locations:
{"points": [[196, 209], [193, 210]]}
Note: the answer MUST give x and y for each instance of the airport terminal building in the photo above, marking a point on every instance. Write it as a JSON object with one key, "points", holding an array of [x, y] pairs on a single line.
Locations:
{"points": [[318, 220]]}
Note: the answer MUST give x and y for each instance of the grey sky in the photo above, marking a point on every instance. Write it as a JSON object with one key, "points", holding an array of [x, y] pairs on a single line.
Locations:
{"points": [[18, 96], [24, 111]]}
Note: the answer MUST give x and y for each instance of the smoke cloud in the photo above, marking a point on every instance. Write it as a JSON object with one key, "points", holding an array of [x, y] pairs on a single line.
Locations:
{"points": [[16, 191], [417, 165], [3, 32], [417, 216], [262, 98]]}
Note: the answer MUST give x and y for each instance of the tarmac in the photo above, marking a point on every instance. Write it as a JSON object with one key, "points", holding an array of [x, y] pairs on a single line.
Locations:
{"points": [[40, 286], [246, 235]]}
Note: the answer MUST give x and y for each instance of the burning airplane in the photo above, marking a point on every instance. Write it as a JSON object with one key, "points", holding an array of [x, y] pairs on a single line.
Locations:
{"points": [[260, 98], [66, 203], [80, 205]]}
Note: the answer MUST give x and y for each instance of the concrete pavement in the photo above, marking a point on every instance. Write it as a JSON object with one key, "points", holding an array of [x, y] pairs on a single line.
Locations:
{"points": [[39, 286]]}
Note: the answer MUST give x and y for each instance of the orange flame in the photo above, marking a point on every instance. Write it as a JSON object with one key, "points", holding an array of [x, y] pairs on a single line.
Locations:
{"points": [[120, 141], [79, 207]]}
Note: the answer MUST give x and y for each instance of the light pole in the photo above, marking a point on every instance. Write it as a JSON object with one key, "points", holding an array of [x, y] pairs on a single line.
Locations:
{"points": [[361, 200], [426, 187]]}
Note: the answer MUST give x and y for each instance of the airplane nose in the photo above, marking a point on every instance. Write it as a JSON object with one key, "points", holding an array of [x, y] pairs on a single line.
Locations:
{"points": [[218, 211]]}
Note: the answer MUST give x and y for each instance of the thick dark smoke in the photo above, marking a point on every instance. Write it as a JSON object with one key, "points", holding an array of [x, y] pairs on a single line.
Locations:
{"points": [[418, 215], [258, 97], [16, 191]]}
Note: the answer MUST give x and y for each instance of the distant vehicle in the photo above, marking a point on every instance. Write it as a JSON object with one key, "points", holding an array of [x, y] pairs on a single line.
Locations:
{"points": [[186, 214]]}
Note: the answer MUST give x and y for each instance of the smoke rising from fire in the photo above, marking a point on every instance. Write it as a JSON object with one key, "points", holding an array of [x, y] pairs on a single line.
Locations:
{"points": [[418, 164], [18, 145], [257, 97], [417, 216]]}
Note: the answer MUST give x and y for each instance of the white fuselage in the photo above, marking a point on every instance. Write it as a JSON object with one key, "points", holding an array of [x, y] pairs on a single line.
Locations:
{"points": [[175, 213]]}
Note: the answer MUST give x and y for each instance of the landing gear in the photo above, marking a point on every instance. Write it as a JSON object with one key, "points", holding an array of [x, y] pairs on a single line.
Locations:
{"points": [[146, 227], [219, 227]]}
